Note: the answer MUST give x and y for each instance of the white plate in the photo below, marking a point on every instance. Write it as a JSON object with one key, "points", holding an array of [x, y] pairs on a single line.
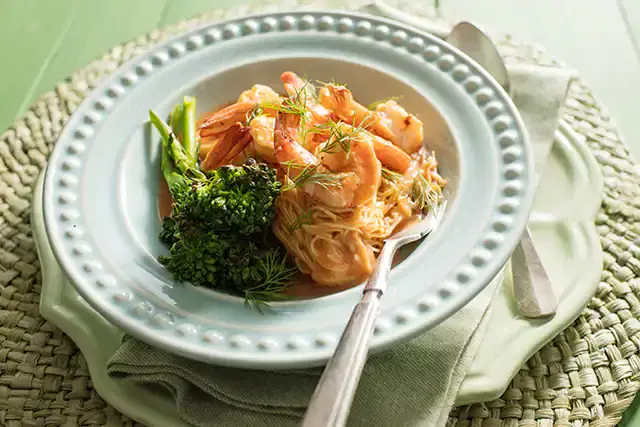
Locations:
{"points": [[102, 178], [569, 247]]}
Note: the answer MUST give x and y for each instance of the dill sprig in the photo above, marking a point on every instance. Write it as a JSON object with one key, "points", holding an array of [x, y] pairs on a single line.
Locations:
{"points": [[339, 137], [375, 104], [309, 175], [256, 111], [288, 106], [391, 176], [278, 276], [305, 218], [423, 194], [330, 82]]}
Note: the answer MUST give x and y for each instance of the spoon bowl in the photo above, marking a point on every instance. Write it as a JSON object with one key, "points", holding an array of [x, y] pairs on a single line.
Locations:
{"points": [[475, 43]]}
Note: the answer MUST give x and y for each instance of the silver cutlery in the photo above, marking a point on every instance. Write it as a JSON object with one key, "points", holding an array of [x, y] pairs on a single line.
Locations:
{"points": [[531, 285], [331, 401], [532, 288], [472, 41]]}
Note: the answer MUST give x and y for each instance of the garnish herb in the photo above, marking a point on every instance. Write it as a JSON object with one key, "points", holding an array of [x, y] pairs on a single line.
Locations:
{"points": [[423, 194], [339, 137], [309, 175], [375, 104], [256, 111], [392, 176], [289, 106], [296, 104], [331, 82], [277, 277], [305, 218]]}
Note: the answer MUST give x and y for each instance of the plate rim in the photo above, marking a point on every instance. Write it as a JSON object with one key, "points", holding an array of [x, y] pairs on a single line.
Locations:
{"points": [[483, 88], [473, 388], [488, 384]]}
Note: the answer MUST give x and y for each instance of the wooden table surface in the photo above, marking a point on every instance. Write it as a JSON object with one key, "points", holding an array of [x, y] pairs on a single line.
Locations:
{"points": [[44, 41]]}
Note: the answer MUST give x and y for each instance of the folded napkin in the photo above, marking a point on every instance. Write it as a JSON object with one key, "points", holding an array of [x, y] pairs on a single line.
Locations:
{"points": [[414, 384]]}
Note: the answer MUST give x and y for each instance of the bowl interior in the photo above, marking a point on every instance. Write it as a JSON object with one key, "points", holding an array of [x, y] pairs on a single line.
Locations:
{"points": [[367, 84]]}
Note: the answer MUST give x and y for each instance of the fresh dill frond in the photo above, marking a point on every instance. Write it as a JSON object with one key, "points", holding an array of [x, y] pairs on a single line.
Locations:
{"points": [[296, 104], [423, 194], [256, 111], [339, 138], [391, 176], [278, 276], [310, 175], [375, 104], [288, 106], [305, 218], [331, 82]]}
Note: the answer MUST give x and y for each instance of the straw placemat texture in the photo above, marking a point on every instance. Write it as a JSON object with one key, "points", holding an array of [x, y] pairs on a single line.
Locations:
{"points": [[588, 375]]}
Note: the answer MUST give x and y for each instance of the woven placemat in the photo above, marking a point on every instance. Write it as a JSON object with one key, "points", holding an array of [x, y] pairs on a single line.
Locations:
{"points": [[588, 375]]}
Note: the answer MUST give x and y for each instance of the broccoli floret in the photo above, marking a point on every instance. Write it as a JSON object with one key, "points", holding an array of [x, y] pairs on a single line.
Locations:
{"points": [[216, 231], [235, 199], [219, 233]]}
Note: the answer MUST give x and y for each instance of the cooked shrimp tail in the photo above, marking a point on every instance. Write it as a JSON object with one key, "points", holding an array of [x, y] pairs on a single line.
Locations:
{"points": [[390, 155], [227, 148], [407, 129], [223, 119], [304, 92], [341, 101], [286, 142]]}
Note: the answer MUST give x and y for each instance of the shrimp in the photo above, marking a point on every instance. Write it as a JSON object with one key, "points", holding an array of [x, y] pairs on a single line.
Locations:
{"points": [[305, 93], [234, 142], [261, 128], [341, 101], [302, 96], [407, 129], [258, 94], [347, 185], [360, 159], [389, 121], [222, 120], [389, 155]]}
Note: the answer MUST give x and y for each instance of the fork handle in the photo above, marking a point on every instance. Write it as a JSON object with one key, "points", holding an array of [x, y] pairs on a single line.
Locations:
{"points": [[331, 401]]}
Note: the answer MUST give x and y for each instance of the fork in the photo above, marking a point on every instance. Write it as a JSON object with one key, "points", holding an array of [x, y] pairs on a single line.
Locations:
{"points": [[331, 401]]}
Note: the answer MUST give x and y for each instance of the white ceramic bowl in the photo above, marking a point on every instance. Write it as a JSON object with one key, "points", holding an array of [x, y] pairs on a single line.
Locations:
{"points": [[101, 184]]}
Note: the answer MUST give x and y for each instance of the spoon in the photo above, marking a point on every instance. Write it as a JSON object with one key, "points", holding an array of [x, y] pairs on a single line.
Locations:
{"points": [[331, 401], [472, 41], [531, 285]]}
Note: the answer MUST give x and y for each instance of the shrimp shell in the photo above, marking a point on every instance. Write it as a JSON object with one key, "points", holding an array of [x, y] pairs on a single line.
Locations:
{"points": [[222, 120], [226, 149]]}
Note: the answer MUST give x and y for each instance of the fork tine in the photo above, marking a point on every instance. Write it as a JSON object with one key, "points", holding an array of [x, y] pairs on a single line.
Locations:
{"points": [[435, 217]]}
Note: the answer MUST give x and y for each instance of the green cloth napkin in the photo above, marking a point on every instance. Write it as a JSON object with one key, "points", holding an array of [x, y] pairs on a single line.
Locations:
{"points": [[414, 384], [411, 385]]}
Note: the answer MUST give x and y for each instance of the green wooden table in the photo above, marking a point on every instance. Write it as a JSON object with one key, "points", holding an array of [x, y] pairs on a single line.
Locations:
{"points": [[44, 41]]}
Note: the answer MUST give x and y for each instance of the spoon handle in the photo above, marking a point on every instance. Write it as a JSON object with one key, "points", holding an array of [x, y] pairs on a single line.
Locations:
{"points": [[331, 401], [531, 285]]}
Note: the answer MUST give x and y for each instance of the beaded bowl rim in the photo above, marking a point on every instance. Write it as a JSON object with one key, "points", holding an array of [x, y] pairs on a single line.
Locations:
{"points": [[104, 293]]}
